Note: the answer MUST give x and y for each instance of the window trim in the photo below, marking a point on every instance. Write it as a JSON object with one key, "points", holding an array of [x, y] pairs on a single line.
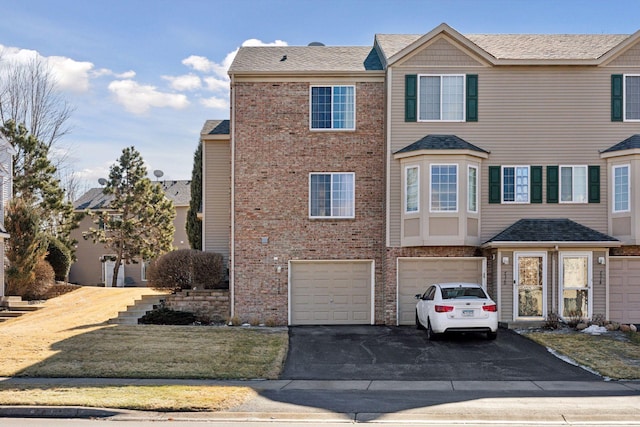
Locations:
{"points": [[586, 184], [477, 180], [463, 104], [562, 287], [406, 192], [353, 196], [144, 265], [332, 128], [515, 194], [613, 188], [624, 97], [431, 208]]}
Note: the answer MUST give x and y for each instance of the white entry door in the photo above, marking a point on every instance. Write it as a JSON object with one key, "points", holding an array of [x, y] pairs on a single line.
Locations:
{"points": [[575, 285], [530, 285], [107, 274]]}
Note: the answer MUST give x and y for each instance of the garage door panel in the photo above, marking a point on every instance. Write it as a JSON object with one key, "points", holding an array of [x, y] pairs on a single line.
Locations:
{"points": [[416, 275], [624, 289], [331, 292]]}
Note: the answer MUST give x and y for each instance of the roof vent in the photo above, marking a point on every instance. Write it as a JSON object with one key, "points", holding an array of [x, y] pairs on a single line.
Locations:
{"points": [[316, 44]]}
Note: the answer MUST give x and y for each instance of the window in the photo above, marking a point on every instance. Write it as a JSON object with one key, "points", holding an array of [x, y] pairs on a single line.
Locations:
{"points": [[444, 188], [573, 184], [441, 97], [515, 184], [621, 188], [331, 195], [412, 189], [143, 273], [632, 97], [472, 189], [333, 107]]}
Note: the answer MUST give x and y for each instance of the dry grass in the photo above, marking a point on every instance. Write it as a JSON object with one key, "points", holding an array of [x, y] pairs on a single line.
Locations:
{"points": [[143, 398], [611, 355], [69, 337]]}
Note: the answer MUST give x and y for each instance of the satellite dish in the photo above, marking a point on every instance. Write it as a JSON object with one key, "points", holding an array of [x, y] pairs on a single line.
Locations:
{"points": [[158, 173], [316, 44], [102, 181]]}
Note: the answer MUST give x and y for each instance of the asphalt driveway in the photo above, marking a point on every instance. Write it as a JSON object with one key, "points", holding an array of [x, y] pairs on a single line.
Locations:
{"points": [[404, 353]]}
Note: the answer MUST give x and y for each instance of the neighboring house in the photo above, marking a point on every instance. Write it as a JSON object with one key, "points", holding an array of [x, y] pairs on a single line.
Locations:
{"points": [[6, 192], [361, 175], [95, 263]]}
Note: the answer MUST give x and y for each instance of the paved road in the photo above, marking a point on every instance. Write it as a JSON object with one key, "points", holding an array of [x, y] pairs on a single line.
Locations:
{"points": [[404, 353]]}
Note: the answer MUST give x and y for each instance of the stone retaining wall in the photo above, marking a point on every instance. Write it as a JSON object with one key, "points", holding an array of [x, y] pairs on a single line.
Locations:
{"points": [[209, 306]]}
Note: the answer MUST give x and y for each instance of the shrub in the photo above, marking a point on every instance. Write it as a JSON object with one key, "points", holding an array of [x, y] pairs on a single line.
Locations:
{"points": [[44, 279], [59, 256], [553, 321], [187, 269], [167, 316]]}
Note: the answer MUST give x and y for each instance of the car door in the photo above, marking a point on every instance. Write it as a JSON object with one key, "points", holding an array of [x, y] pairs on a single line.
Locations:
{"points": [[426, 304]]}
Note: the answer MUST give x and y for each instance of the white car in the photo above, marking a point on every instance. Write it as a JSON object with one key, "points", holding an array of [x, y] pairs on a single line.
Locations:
{"points": [[456, 307]]}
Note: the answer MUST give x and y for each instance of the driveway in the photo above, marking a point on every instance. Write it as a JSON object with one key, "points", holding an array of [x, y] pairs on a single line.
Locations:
{"points": [[404, 353]]}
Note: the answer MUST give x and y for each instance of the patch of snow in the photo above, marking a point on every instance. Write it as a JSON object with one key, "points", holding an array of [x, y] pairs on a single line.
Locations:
{"points": [[574, 363], [595, 330]]}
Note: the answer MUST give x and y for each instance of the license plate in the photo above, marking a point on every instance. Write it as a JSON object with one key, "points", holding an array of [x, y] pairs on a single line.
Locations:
{"points": [[467, 313]]}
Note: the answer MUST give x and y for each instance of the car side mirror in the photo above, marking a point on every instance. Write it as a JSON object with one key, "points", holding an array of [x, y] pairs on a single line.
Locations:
{"points": [[418, 296]]}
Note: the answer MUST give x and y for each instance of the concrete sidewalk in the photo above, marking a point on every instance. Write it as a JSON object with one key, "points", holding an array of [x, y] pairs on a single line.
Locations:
{"points": [[411, 402]]}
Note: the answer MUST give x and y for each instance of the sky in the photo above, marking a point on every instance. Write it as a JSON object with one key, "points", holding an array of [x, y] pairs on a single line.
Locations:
{"points": [[148, 73]]}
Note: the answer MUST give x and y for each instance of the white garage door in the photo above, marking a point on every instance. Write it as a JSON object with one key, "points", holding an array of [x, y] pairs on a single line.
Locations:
{"points": [[415, 275], [624, 289], [330, 292]]}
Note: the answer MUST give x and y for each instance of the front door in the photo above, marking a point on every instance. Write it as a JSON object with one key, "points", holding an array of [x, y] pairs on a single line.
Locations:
{"points": [[107, 273], [575, 285], [530, 285]]}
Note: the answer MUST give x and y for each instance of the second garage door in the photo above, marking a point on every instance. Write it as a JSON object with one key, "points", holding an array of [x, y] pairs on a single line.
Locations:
{"points": [[330, 292], [624, 289], [415, 275]]}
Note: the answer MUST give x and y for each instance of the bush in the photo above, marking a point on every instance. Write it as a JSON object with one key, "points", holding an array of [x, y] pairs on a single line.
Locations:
{"points": [[44, 277], [187, 269], [59, 256], [166, 316]]}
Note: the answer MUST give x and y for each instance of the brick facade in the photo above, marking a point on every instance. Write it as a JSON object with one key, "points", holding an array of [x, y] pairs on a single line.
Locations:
{"points": [[274, 153]]}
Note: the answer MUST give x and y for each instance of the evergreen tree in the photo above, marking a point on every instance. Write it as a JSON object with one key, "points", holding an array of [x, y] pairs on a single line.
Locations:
{"points": [[194, 225], [139, 223]]}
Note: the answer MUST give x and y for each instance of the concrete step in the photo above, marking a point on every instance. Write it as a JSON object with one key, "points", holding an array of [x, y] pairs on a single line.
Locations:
{"points": [[134, 312]]}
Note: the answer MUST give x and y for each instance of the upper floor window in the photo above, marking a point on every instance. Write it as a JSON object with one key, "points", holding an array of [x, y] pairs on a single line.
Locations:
{"points": [[441, 97], [573, 184], [472, 189], [332, 195], [621, 188], [333, 107], [632, 97], [515, 184], [412, 189], [444, 188]]}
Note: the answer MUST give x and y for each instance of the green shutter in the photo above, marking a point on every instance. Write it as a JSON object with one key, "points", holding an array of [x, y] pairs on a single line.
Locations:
{"points": [[494, 184], [616, 97], [594, 184], [536, 184], [472, 97], [553, 183], [410, 98]]}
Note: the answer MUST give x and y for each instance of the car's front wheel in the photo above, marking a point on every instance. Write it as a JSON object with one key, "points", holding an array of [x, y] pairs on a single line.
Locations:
{"points": [[418, 324]]}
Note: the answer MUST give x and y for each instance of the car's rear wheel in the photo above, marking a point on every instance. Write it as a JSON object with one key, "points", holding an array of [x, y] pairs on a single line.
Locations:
{"points": [[418, 324], [431, 336], [492, 335]]}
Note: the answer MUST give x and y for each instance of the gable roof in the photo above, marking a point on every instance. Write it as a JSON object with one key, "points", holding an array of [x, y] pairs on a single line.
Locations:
{"points": [[561, 231], [215, 127], [179, 192], [441, 142], [300, 59]]}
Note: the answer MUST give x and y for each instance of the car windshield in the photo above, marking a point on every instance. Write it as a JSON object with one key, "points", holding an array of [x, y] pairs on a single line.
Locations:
{"points": [[463, 292]]}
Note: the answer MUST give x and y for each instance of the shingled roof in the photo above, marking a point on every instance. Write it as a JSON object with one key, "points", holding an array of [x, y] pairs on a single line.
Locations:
{"points": [[633, 142], [556, 230], [440, 142], [179, 192], [215, 127]]}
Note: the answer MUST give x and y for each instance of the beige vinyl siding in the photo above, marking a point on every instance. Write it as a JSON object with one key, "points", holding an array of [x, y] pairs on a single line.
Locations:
{"points": [[527, 116], [624, 289], [216, 227], [180, 239], [599, 285]]}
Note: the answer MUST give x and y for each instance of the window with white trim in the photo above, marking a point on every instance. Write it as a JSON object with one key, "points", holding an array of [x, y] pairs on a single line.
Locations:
{"points": [[575, 285], [444, 188], [333, 107], [472, 189], [412, 189], [515, 184], [144, 268], [620, 182], [332, 195], [441, 97], [573, 184], [632, 97]]}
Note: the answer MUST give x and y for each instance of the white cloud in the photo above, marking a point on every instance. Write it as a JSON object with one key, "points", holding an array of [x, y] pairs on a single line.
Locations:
{"points": [[106, 72], [215, 102], [184, 82], [199, 63], [138, 99], [70, 75], [217, 85]]}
